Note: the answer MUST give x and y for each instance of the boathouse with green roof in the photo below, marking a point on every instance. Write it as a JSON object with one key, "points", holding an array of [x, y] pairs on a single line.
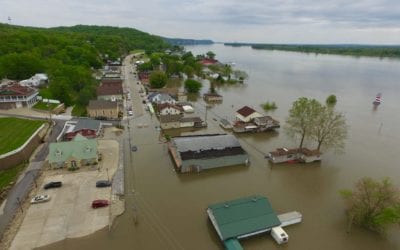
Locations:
{"points": [[241, 218], [73, 154]]}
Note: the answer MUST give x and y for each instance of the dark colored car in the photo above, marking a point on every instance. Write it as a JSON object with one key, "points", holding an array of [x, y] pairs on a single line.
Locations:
{"points": [[103, 183], [134, 148], [53, 184], [100, 203]]}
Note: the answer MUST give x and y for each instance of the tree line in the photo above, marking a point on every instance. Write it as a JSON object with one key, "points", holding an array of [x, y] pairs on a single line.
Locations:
{"points": [[69, 55]]}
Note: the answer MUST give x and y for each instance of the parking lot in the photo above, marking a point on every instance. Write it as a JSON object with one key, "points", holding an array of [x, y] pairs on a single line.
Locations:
{"points": [[68, 213]]}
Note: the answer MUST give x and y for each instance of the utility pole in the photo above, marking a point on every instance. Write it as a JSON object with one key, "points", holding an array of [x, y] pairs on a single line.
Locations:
{"points": [[9, 20], [108, 177]]}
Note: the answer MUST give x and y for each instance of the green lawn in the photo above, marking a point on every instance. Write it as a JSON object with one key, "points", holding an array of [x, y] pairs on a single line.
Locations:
{"points": [[45, 106], [15, 131], [10, 175]]}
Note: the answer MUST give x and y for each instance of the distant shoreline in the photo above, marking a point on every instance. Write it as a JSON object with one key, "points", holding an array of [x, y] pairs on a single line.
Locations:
{"points": [[381, 51]]}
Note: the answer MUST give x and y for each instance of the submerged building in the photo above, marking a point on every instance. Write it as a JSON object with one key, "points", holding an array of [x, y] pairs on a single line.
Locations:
{"points": [[199, 152]]}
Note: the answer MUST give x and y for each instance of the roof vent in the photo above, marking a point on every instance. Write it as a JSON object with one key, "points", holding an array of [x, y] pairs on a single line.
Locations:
{"points": [[226, 205]]}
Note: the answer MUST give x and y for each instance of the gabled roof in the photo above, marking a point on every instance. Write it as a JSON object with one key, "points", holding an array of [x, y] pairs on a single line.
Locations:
{"points": [[245, 111], [168, 105], [236, 218], [101, 104], [170, 118], [79, 148]]}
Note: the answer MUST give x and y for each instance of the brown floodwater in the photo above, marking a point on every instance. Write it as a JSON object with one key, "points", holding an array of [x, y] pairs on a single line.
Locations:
{"points": [[167, 210]]}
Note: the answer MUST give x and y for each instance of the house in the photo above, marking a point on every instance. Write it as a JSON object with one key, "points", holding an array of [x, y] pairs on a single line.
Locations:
{"points": [[191, 122], [170, 121], [14, 95], [36, 80], [242, 218], [304, 155], [246, 114], [212, 97], [110, 90], [200, 152], [266, 122], [160, 98], [169, 109], [100, 109], [86, 127], [73, 154], [310, 155], [117, 81]]}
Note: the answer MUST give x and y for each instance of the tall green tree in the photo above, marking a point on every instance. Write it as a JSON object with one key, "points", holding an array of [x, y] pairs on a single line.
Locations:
{"points": [[158, 79], [210, 54], [20, 66], [330, 129], [302, 119], [192, 86], [331, 100], [373, 204]]}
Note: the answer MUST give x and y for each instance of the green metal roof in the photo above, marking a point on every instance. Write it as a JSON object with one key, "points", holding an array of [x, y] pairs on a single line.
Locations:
{"points": [[79, 148], [243, 216]]}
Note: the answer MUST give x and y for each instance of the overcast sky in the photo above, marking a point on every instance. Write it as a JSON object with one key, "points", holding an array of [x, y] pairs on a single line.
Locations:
{"points": [[269, 21]]}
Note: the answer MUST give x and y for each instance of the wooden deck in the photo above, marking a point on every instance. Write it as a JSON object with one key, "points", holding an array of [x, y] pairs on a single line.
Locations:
{"points": [[174, 154]]}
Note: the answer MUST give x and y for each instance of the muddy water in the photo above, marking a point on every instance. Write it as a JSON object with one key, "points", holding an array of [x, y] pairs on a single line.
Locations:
{"points": [[167, 210]]}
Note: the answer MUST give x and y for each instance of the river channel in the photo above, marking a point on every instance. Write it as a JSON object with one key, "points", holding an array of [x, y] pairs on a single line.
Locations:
{"points": [[166, 210]]}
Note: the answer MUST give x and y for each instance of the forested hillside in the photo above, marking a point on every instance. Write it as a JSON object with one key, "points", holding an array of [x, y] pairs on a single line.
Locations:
{"points": [[68, 55]]}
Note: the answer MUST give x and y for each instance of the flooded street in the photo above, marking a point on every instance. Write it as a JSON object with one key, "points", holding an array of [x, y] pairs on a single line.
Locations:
{"points": [[166, 210]]}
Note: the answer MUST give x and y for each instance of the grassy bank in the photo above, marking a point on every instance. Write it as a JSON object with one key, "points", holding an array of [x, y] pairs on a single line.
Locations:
{"points": [[10, 175], [45, 106], [15, 131]]}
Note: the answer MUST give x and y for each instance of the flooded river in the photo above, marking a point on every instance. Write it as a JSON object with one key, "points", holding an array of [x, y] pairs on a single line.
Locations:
{"points": [[167, 210]]}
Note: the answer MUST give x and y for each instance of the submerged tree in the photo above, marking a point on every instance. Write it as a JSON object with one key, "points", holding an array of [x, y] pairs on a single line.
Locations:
{"points": [[158, 79], [302, 118], [192, 86], [330, 129], [373, 204], [331, 100]]}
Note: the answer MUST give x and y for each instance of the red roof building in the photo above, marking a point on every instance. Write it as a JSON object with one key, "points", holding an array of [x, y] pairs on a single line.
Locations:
{"points": [[208, 61], [14, 95]]}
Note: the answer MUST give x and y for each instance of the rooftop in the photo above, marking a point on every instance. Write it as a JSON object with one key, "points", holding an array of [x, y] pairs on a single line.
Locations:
{"points": [[205, 142], [79, 148], [101, 104], [242, 217], [110, 89], [245, 111], [86, 124], [14, 88]]}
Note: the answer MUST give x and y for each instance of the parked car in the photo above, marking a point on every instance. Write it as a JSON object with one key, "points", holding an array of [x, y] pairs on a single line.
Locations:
{"points": [[40, 198], [53, 184], [134, 148], [103, 183], [100, 203], [130, 112]]}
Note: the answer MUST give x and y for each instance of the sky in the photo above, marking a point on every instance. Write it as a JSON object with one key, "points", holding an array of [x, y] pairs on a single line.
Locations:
{"points": [[263, 21]]}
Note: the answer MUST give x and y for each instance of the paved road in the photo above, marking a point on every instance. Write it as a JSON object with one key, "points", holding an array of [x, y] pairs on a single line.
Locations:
{"points": [[26, 180]]}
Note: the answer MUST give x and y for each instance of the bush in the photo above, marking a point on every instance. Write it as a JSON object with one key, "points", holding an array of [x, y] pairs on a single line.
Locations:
{"points": [[331, 100], [192, 86], [269, 106]]}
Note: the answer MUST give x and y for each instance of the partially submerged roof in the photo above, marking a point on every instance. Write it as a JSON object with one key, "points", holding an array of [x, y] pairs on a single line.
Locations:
{"points": [[242, 217], [205, 142], [245, 111]]}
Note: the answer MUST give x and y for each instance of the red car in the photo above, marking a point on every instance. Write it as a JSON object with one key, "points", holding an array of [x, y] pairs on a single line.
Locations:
{"points": [[100, 203]]}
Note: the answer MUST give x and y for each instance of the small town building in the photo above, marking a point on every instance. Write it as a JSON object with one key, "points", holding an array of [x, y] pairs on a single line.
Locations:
{"points": [[208, 61], [170, 121], [212, 97], [14, 95], [86, 127], [36, 80], [191, 122], [169, 109], [200, 152], [73, 154], [110, 90], [242, 218], [160, 98], [224, 123], [294, 155], [247, 114], [100, 109]]}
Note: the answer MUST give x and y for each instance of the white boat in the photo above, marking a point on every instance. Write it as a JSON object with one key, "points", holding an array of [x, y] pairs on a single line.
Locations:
{"points": [[377, 99], [40, 198]]}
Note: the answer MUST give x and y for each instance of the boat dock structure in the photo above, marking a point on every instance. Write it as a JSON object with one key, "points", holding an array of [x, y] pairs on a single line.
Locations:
{"points": [[245, 217]]}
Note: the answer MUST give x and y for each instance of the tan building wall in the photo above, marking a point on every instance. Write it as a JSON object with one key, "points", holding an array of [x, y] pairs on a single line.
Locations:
{"points": [[109, 113]]}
